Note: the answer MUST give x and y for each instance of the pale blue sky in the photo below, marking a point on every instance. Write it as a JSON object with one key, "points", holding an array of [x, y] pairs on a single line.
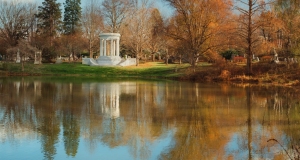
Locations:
{"points": [[165, 10]]}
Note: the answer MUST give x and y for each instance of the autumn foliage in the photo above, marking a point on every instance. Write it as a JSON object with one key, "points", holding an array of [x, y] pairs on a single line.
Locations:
{"points": [[196, 31]]}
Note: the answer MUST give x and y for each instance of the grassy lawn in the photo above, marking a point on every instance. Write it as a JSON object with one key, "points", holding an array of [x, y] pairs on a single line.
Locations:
{"points": [[148, 69], [155, 70]]}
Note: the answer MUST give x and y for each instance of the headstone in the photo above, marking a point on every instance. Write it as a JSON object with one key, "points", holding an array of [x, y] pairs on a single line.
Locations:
{"points": [[18, 60], [58, 60], [38, 58]]}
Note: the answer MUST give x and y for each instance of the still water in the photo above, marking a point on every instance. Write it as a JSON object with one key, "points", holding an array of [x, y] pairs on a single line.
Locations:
{"points": [[51, 118]]}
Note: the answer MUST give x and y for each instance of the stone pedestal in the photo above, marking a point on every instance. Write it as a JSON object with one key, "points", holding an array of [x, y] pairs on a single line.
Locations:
{"points": [[58, 60], [18, 60], [108, 60], [38, 58]]}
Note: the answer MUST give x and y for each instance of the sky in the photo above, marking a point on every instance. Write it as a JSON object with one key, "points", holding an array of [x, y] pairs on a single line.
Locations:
{"points": [[165, 10]]}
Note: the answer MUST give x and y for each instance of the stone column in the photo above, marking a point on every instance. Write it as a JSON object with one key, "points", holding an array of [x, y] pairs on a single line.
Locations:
{"points": [[18, 60], [104, 47], [111, 47], [118, 49], [101, 47], [115, 54]]}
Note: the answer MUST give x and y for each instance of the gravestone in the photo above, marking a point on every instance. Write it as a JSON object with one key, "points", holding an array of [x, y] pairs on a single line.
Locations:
{"points": [[18, 60], [38, 58], [58, 60]]}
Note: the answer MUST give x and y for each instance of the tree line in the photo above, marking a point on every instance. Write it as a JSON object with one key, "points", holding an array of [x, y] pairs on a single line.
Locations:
{"points": [[197, 30]]}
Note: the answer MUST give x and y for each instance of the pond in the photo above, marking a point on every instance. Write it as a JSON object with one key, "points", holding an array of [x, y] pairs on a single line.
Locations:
{"points": [[72, 118]]}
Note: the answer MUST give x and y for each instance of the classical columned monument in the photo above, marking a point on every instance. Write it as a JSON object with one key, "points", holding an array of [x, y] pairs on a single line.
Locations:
{"points": [[114, 40], [109, 52]]}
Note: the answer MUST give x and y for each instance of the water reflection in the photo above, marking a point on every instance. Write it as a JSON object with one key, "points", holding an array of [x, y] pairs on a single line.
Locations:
{"points": [[145, 120]]}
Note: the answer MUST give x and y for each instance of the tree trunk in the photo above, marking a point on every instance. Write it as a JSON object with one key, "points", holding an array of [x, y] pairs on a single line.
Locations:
{"points": [[137, 60], [194, 65], [22, 62], [180, 59], [167, 57], [73, 56], [167, 60], [249, 65], [90, 48], [249, 38], [249, 122], [137, 55], [153, 57]]}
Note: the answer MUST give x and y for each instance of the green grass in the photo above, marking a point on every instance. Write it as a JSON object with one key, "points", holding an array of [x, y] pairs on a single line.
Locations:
{"points": [[150, 69]]}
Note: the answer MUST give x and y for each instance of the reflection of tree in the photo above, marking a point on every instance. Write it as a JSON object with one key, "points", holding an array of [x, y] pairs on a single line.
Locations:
{"points": [[283, 107], [204, 120], [50, 131], [249, 123], [71, 134], [112, 114], [72, 102], [198, 137], [143, 107], [49, 123], [112, 131], [15, 102]]}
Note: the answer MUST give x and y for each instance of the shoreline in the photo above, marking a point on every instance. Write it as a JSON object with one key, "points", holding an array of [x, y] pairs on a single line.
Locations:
{"points": [[158, 70]]}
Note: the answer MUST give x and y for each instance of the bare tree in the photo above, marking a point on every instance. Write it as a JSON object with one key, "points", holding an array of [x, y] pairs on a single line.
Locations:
{"points": [[92, 23], [71, 45], [25, 50], [157, 32], [248, 28], [195, 26], [138, 30], [288, 12], [114, 12], [16, 20]]}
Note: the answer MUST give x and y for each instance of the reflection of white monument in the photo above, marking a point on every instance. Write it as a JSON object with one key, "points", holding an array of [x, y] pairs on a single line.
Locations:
{"points": [[109, 52], [108, 96], [17, 85], [109, 99], [37, 88]]}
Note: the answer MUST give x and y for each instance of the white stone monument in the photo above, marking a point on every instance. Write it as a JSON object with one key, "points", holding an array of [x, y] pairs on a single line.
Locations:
{"points": [[109, 52], [18, 60], [58, 60], [38, 58], [109, 49]]}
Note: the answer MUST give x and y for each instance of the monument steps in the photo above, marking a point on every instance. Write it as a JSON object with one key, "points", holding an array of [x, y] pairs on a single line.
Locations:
{"points": [[109, 56], [93, 62], [122, 61]]}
